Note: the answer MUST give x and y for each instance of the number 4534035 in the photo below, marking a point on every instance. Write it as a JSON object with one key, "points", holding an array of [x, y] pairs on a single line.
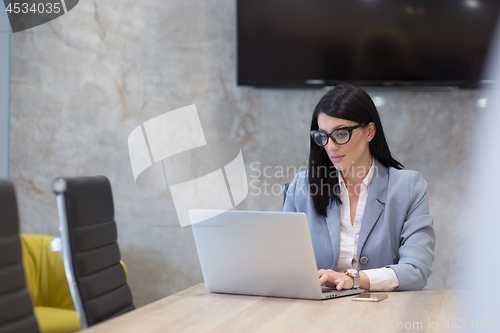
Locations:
{"points": [[41, 7], [455, 324]]}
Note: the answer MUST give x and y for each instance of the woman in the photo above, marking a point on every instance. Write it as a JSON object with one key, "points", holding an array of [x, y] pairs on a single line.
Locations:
{"points": [[369, 220]]}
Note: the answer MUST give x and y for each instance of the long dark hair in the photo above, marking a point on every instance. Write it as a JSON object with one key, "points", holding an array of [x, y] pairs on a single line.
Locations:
{"points": [[349, 102]]}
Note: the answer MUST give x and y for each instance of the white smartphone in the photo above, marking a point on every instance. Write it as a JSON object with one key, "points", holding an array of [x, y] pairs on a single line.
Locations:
{"points": [[368, 297]]}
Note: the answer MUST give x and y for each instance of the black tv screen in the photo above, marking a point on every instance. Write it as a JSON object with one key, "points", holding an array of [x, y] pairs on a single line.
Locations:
{"points": [[304, 43]]}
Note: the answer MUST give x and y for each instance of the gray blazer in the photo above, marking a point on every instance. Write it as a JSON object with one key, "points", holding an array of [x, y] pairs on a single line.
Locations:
{"points": [[396, 230]]}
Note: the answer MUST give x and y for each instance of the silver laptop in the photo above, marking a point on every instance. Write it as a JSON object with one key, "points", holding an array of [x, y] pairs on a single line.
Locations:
{"points": [[258, 253]]}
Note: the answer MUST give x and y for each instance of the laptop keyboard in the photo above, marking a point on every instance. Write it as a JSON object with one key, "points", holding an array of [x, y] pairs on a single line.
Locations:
{"points": [[329, 290]]}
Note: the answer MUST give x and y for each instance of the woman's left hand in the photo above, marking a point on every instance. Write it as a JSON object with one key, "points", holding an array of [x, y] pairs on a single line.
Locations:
{"points": [[333, 279]]}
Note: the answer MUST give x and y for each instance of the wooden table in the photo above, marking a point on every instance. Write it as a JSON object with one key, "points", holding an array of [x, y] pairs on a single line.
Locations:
{"points": [[196, 310]]}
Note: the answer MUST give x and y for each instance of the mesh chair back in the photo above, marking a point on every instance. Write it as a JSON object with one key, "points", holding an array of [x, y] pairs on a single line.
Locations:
{"points": [[90, 252], [16, 309]]}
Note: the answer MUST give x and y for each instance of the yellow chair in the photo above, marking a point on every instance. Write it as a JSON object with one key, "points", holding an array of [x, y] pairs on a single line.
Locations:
{"points": [[47, 284]]}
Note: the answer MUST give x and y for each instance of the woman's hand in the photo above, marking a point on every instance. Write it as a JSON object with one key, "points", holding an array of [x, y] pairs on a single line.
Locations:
{"points": [[333, 279]]}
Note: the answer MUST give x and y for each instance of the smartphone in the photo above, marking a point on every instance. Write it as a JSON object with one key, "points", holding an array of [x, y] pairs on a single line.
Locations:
{"points": [[368, 297]]}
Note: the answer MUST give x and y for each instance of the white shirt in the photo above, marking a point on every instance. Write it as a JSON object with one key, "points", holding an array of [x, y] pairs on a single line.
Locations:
{"points": [[381, 279]]}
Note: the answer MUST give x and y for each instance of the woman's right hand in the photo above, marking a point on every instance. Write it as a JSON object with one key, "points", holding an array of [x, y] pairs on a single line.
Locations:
{"points": [[333, 279]]}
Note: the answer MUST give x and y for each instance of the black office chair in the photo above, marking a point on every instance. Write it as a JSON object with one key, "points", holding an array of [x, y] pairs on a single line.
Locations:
{"points": [[16, 308], [91, 255], [285, 188]]}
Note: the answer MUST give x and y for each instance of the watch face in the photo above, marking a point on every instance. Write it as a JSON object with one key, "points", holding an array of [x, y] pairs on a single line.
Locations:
{"points": [[355, 275]]}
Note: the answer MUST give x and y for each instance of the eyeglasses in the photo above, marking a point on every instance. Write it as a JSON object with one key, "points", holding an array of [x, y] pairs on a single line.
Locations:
{"points": [[340, 136]]}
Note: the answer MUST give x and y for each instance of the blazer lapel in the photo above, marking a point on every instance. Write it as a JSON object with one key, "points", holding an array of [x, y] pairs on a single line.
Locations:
{"points": [[375, 203], [333, 224]]}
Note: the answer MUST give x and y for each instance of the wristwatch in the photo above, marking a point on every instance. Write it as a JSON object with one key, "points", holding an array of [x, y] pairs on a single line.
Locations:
{"points": [[355, 275]]}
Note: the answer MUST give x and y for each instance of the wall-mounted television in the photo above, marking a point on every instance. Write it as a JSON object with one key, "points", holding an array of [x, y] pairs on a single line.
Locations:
{"points": [[315, 43]]}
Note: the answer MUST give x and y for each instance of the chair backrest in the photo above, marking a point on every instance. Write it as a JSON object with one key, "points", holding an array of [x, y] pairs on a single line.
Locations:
{"points": [[16, 308], [90, 252], [285, 189]]}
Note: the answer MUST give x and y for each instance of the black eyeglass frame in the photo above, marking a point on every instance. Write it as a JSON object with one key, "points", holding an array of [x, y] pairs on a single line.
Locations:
{"points": [[349, 129]]}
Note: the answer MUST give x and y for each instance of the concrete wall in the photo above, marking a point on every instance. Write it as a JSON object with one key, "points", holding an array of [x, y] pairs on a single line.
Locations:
{"points": [[82, 83]]}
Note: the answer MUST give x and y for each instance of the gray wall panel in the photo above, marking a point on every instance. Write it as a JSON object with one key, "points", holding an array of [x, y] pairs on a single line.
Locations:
{"points": [[5, 33]]}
